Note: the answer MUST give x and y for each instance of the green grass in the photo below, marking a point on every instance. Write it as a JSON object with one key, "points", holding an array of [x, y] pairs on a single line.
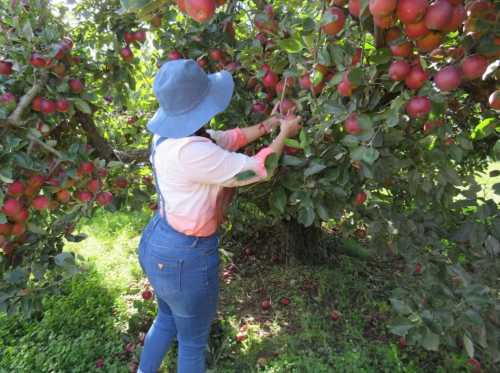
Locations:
{"points": [[101, 310]]}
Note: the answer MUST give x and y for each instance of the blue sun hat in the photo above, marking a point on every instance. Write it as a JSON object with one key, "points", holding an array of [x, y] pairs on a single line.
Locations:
{"points": [[188, 98]]}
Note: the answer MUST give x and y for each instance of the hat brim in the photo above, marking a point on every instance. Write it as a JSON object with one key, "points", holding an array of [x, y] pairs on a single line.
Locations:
{"points": [[216, 101]]}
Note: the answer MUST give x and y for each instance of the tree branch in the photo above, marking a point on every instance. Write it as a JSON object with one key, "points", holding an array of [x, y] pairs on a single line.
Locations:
{"points": [[45, 146], [15, 118]]}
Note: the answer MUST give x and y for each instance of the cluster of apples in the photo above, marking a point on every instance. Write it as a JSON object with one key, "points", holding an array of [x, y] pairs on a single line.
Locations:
{"points": [[26, 197], [130, 38], [199, 10]]}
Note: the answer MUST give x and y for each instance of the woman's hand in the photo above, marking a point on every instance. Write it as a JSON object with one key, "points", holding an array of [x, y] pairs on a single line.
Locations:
{"points": [[291, 125]]}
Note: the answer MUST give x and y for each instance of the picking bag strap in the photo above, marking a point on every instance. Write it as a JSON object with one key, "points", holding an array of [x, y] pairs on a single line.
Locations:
{"points": [[154, 147]]}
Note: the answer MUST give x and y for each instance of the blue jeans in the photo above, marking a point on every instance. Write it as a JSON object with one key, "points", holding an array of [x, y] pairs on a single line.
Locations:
{"points": [[183, 270]]}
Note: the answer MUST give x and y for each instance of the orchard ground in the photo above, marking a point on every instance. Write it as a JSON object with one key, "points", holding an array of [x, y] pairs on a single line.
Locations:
{"points": [[335, 320]]}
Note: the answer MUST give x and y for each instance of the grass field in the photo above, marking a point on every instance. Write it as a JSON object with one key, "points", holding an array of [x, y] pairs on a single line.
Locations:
{"points": [[96, 325]]}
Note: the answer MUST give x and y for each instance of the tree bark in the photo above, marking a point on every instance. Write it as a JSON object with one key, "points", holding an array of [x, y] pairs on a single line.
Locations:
{"points": [[303, 244]]}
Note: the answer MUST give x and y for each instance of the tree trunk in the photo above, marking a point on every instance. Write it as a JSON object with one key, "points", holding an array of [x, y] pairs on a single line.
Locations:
{"points": [[303, 244]]}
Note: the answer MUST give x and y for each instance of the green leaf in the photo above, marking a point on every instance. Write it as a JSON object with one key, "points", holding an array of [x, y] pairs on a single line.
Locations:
{"points": [[290, 160], [356, 76], [3, 218], [245, 175], [278, 199], [401, 329], [313, 169], [16, 276], [400, 307], [28, 31], [76, 238], [293, 143], [82, 105], [133, 5], [271, 163], [334, 108], [430, 341], [469, 346], [291, 45], [350, 141], [496, 150], [370, 155], [306, 215]]}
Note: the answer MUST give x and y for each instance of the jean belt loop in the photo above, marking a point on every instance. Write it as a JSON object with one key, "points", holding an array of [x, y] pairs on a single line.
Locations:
{"points": [[195, 242]]}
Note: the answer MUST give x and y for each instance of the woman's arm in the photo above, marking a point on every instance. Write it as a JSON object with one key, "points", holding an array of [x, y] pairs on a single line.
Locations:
{"points": [[263, 128]]}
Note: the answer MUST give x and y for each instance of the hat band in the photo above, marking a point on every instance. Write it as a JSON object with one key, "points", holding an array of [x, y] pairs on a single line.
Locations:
{"points": [[193, 104]]}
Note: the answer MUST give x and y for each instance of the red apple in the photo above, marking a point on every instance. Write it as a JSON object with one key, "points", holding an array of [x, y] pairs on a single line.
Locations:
{"points": [[62, 105], [16, 188], [174, 55], [494, 100], [399, 70], [418, 107], [285, 301], [335, 315], [94, 185], [334, 21], [287, 106], [5, 229], [345, 87], [8, 100], [36, 181], [270, 80], [305, 81], [416, 78], [438, 15], [457, 18], [47, 106], [351, 125], [265, 305], [448, 78], [121, 183], [429, 41], [140, 36], [40, 203], [411, 11], [200, 10], [355, 7], [104, 198], [5, 68], [392, 35], [86, 168], [76, 86], [259, 107], [63, 196], [360, 198], [36, 104], [475, 365], [384, 22], [147, 295], [38, 61], [402, 342], [404, 49], [474, 66], [84, 196], [21, 216], [416, 30], [129, 37], [217, 55], [12, 207], [182, 5], [356, 58], [126, 54], [381, 8], [18, 229]]}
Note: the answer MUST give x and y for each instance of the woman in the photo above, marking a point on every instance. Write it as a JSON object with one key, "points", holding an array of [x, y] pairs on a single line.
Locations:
{"points": [[193, 170]]}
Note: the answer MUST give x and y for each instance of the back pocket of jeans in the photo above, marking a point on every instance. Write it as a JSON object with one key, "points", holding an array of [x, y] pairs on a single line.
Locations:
{"points": [[165, 275]]}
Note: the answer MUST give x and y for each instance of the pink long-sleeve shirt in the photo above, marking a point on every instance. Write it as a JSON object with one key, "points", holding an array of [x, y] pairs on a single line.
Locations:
{"points": [[193, 174]]}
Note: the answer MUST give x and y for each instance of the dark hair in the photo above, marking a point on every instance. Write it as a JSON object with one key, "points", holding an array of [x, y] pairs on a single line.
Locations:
{"points": [[202, 132]]}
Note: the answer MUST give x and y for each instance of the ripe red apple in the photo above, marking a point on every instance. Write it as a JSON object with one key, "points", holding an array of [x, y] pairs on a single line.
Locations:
{"points": [[360, 198], [182, 5], [285, 301], [94, 185], [84, 196], [62, 105], [448, 78], [127, 54], [86, 168], [36, 104], [259, 107], [104, 198], [402, 342], [418, 268], [381, 8], [200, 10], [384, 22], [202, 62], [438, 15], [240, 337], [5, 229], [5, 68], [345, 87], [404, 49], [38, 61], [265, 305], [430, 41], [174, 55], [140, 36], [270, 79], [147, 295], [63, 196], [411, 11], [474, 66], [355, 7], [36, 181], [12, 207], [286, 106], [21, 216], [351, 125], [76, 86], [399, 70], [476, 365], [47, 106], [16, 188], [40, 203], [416, 78], [305, 81], [335, 315], [418, 107], [334, 21], [392, 34], [18, 229], [121, 183], [356, 58], [129, 37], [457, 18], [217, 55], [8, 100], [494, 100], [416, 30]]}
